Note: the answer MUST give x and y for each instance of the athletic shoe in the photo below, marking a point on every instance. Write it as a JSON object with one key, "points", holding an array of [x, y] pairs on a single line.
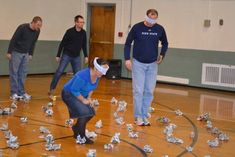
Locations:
{"points": [[139, 121], [26, 96], [146, 122], [50, 92], [15, 97]]}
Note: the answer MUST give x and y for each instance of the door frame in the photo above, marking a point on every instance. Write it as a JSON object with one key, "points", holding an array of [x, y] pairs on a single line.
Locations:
{"points": [[88, 26]]}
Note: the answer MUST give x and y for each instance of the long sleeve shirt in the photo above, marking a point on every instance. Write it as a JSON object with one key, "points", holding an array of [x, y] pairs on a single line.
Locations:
{"points": [[72, 43], [24, 39], [81, 83], [146, 41]]}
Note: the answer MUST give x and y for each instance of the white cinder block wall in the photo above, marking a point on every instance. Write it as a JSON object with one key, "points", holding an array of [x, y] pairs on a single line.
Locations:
{"points": [[182, 19]]}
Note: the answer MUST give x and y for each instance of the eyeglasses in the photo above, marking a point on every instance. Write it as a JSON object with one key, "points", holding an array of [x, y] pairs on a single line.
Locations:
{"points": [[80, 22]]}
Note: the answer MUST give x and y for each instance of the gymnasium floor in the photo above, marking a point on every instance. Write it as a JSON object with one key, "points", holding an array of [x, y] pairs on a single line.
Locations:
{"points": [[191, 101]]}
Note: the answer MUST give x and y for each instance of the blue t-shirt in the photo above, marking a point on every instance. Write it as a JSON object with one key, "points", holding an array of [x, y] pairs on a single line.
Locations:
{"points": [[81, 83], [146, 40]]}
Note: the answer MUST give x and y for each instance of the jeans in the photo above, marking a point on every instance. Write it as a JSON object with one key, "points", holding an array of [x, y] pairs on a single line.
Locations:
{"points": [[144, 77], [76, 108], [18, 69], [75, 63]]}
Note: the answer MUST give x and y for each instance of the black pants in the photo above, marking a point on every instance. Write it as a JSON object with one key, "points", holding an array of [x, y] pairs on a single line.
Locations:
{"points": [[80, 126]]}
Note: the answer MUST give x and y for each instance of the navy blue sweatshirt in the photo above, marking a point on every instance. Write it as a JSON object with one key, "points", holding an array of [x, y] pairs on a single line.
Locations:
{"points": [[72, 43], [24, 39], [146, 40]]}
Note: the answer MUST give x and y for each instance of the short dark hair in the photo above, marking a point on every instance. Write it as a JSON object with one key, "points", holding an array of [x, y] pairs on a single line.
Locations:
{"points": [[77, 17], [100, 61], [36, 19], [152, 11]]}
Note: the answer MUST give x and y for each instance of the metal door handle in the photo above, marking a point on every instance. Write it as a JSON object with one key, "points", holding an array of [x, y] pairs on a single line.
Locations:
{"points": [[102, 42]]}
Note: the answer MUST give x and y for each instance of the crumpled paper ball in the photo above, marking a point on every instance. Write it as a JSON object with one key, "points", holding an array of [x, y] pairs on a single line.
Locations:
{"points": [[215, 131], [49, 112], [4, 127], [91, 153], [98, 124], [213, 143], [7, 134], [95, 102], [53, 147], [6, 111], [163, 120], [204, 117], [114, 101], [115, 115], [69, 122], [120, 121], [44, 130], [91, 134], [189, 149], [24, 119], [148, 149], [49, 139], [132, 134], [12, 141], [115, 139], [14, 145], [178, 112], [173, 139], [209, 125], [121, 106], [223, 137], [108, 146], [80, 140], [129, 127], [169, 129], [14, 105]]}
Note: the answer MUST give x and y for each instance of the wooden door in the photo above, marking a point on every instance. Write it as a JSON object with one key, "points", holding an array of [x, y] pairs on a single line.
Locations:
{"points": [[102, 32]]}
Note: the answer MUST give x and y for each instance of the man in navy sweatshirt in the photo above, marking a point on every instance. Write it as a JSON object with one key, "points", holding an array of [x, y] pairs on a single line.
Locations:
{"points": [[146, 36], [19, 53], [73, 41]]}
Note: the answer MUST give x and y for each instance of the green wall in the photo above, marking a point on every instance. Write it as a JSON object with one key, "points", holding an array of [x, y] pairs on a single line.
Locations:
{"points": [[185, 63], [43, 58], [182, 63]]}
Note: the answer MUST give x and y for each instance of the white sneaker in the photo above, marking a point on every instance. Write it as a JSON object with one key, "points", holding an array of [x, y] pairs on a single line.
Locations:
{"points": [[146, 122], [15, 97], [139, 121], [26, 96]]}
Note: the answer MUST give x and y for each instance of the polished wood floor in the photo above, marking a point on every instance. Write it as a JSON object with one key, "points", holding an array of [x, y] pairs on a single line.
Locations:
{"points": [[191, 101]]}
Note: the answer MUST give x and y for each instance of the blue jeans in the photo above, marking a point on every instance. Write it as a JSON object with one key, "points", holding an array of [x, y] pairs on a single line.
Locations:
{"points": [[76, 108], [18, 69], [75, 63], [144, 77]]}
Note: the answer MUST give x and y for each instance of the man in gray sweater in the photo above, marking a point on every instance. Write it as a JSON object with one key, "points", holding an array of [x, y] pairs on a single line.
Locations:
{"points": [[19, 53]]}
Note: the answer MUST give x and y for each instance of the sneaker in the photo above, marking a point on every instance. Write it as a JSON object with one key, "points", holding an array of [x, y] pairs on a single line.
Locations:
{"points": [[50, 92], [26, 96], [139, 121], [15, 97], [146, 122]]}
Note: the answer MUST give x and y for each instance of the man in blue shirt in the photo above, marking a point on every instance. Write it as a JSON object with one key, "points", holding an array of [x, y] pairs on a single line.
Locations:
{"points": [[146, 36]]}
